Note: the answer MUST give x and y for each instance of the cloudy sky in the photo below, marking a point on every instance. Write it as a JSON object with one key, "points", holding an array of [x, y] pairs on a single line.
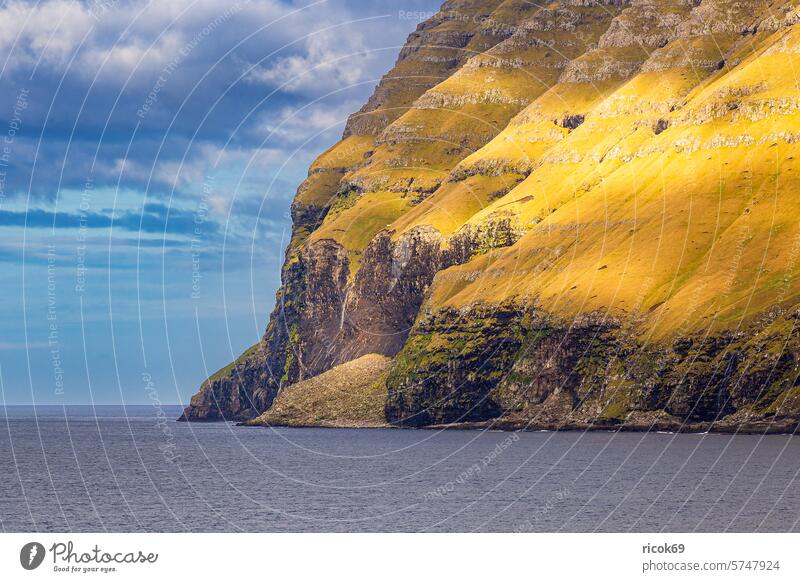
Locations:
{"points": [[149, 152]]}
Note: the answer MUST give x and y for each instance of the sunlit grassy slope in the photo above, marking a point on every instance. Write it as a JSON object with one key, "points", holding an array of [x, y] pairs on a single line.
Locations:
{"points": [[439, 47], [675, 201], [491, 172], [416, 153], [642, 152]]}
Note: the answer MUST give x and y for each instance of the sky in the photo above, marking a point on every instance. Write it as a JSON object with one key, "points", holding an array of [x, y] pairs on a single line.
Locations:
{"points": [[149, 152]]}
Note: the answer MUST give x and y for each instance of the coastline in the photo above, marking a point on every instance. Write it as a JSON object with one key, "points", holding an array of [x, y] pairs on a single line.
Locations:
{"points": [[785, 427]]}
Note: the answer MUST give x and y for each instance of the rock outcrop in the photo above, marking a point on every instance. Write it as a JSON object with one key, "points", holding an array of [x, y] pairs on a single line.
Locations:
{"points": [[351, 395]]}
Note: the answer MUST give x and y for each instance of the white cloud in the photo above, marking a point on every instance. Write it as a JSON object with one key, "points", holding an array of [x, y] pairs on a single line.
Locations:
{"points": [[116, 39], [331, 59], [295, 125], [326, 44], [121, 60], [169, 173], [48, 31]]}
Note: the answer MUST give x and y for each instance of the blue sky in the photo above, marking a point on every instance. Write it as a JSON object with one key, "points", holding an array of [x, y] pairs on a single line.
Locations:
{"points": [[149, 152]]}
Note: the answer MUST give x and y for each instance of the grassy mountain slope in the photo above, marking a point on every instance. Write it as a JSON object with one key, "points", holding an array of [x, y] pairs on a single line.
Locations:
{"points": [[590, 220], [415, 153], [657, 256], [696, 220]]}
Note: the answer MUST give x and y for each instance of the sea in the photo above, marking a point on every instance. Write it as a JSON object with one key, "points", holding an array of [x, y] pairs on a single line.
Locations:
{"points": [[134, 469]]}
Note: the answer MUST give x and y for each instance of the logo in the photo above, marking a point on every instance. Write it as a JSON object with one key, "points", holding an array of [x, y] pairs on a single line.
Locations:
{"points": [[31, 555]]}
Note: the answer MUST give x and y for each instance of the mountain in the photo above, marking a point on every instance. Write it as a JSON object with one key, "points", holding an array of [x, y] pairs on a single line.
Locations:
{"points": [[581, 214]]}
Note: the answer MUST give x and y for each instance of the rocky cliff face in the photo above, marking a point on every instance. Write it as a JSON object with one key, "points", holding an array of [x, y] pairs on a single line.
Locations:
{"points": [[512, 366], [577, 214]]}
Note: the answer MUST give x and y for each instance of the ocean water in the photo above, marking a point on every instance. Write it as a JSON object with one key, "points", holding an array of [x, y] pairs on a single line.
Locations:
{"points": [[132, 469]]}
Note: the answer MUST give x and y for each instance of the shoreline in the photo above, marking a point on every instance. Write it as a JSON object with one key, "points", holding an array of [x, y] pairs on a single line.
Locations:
{"points": [[788, 428]]}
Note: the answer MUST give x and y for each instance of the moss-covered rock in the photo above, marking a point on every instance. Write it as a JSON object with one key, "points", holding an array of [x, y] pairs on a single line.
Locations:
{"points": [[351, 395]]}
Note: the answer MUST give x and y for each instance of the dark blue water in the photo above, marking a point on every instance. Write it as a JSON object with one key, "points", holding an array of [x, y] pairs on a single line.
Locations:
{"points": [[117, 469]]}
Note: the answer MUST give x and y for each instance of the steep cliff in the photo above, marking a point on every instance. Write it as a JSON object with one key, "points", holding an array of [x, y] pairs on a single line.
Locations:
{"points": [[584, 214]]}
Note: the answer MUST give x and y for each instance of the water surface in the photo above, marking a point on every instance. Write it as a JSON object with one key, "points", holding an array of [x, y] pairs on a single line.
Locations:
{"points": [[127, 469]]}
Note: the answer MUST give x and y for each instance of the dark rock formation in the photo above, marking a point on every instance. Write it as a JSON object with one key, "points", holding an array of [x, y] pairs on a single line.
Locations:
{"points": [[511, 366]]}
